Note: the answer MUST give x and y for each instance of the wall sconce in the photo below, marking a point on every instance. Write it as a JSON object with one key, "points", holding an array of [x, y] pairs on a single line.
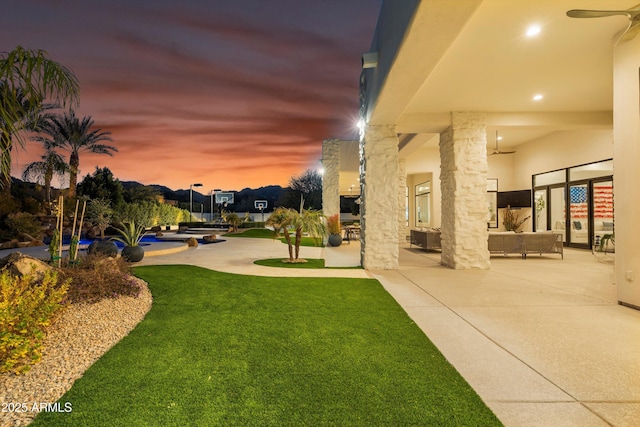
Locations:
{"points": [[370, 60]]}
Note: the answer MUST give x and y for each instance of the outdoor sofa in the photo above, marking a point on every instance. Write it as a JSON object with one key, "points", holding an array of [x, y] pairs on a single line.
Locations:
{"points": [[541, 242], [426, 239]]}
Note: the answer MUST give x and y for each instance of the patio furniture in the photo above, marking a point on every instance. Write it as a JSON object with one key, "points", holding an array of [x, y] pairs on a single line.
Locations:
{"points": [[351, 232], [543, 243], [428, 239], [508, 242]]}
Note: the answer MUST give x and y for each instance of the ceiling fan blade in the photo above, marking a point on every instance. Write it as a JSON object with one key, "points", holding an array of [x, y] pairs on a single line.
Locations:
{"points": [[630, 33], [583, 13]]}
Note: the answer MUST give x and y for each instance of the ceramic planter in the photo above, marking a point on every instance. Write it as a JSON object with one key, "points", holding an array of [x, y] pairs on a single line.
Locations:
{"points": [[132, 253], [335, 239]]}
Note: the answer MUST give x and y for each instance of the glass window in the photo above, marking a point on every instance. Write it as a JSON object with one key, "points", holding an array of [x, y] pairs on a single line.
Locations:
{"points": [[592, 170], [540, 198], [549, 178], [423, 204], [423, 188]]}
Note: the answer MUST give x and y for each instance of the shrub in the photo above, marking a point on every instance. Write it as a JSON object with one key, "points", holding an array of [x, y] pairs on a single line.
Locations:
{"points": [[333, 224], [96, 277], [22, 222], [27, 306]]}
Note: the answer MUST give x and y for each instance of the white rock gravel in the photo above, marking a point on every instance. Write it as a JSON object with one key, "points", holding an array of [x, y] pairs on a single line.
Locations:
{"points": [[82, 334]]}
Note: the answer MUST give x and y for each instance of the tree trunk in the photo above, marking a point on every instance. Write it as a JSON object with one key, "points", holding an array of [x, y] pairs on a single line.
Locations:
{"points": [[48, 177], [287, 237], [298, 239], [74, 162], [5, 163]]}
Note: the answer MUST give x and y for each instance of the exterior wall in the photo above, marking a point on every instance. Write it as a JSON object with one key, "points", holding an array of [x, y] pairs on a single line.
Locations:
{"points": [[463, 178], [331, 177], [626, 124], [556, 151], [379, 192], [402, 201]]}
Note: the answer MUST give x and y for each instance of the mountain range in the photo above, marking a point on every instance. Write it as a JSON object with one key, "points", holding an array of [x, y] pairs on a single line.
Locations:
{"points": [[243, 199]]}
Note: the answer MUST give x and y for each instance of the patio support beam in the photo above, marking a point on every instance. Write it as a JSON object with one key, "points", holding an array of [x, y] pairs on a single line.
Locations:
{"points": [[379, 207], [463, 181], [331, 177]]}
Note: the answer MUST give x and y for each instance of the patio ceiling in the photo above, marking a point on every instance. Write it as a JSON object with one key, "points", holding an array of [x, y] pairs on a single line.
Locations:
{"points": [[485, 62]]}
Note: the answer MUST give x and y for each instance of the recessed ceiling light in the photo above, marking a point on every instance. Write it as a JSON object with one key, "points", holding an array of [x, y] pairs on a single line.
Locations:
{"points": [[533, 30], [538, 97]]}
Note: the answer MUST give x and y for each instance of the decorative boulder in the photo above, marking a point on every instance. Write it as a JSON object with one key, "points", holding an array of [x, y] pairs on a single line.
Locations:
{"points": [[105, 247], [210, 239], [11, 244], [192, 241], [19, 264]]}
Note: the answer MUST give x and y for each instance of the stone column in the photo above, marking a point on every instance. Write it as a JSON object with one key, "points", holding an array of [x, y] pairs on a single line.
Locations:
{"points": [[402, 201], [331, 177], [626, 158], [463, 181], [379, 194]]}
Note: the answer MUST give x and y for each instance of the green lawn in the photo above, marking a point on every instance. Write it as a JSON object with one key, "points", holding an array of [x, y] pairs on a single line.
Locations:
{"points": [[219, 349], [277, 262], [263, 233]]}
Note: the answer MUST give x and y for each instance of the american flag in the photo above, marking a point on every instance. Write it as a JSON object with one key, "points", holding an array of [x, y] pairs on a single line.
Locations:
{"points": [[603, 201], [578, 200]]}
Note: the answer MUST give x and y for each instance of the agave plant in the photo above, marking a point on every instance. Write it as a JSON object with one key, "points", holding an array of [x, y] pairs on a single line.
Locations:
{"points": [[130, 234]]}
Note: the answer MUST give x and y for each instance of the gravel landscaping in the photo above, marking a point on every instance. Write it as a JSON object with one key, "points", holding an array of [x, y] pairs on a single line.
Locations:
{"points": [[82, 334]]}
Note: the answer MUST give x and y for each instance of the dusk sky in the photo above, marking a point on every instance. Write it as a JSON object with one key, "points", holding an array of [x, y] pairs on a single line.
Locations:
{"points": [[227, 93]]}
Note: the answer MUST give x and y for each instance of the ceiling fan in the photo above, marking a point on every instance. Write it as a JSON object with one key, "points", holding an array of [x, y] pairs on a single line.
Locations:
{"points": [[633, 14], [497, 150]]}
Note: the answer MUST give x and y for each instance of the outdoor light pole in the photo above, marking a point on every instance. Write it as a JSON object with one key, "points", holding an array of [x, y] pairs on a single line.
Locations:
{"points": [[213, 192], [191, 198]]}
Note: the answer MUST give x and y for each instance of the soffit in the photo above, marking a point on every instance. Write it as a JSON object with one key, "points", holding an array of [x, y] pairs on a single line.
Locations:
{"points": [[491, 66]]}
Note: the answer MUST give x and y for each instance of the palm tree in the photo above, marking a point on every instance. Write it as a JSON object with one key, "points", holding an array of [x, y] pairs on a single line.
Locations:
{"points": [[27, 78], [310, 221], [75, 136], [51, 164]]}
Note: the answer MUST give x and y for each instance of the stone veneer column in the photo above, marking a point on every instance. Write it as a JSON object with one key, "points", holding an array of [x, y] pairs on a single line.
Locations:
{"points": [[402, 201], [463, 181], [331, 177], [379, 195]]}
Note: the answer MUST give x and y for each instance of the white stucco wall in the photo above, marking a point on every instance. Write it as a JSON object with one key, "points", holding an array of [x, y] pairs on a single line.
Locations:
{"points": [[627, 170], [559, 150]]}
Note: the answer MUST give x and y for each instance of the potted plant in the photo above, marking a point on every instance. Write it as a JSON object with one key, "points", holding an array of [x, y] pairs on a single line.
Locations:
{"points": [[511, 221], [333, 227], [130, 236]]}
